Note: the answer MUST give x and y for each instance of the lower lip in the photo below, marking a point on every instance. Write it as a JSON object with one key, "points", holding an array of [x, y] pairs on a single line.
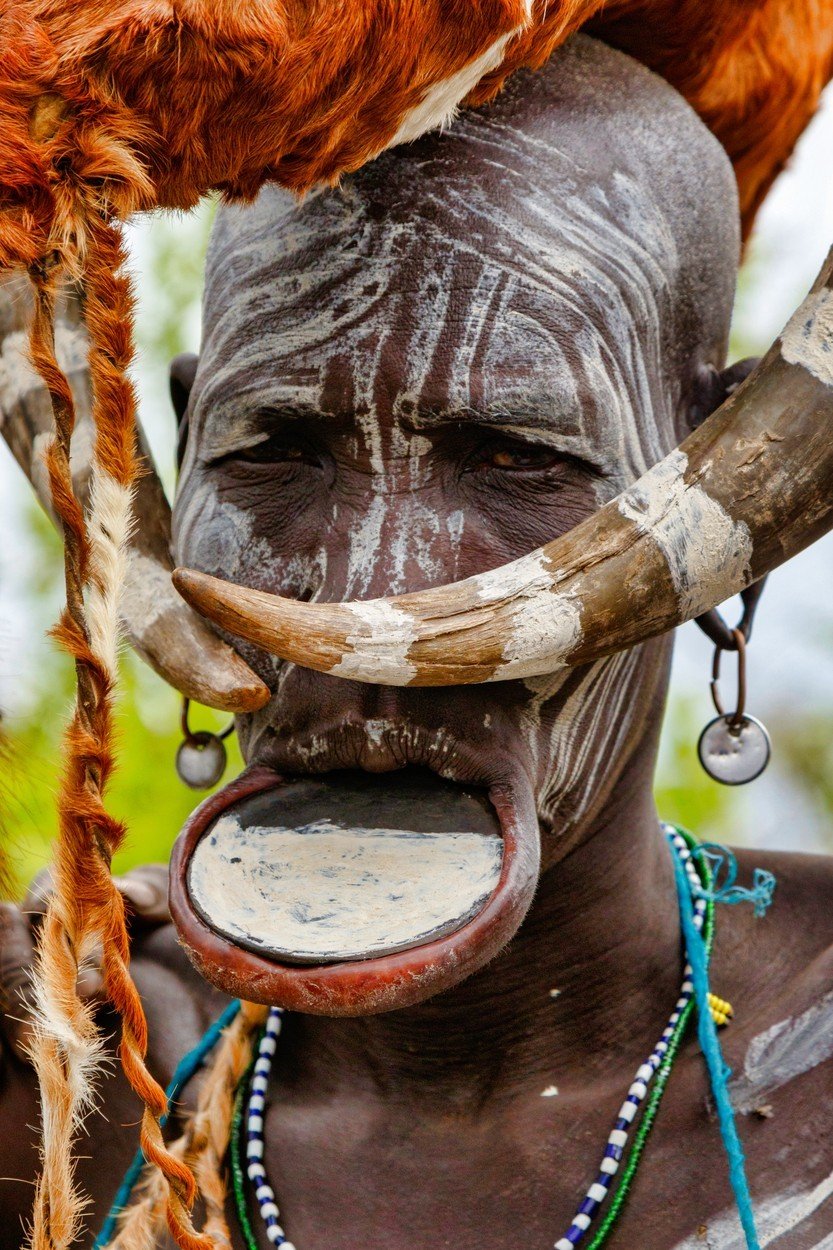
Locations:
{"points": [[360, 986]]}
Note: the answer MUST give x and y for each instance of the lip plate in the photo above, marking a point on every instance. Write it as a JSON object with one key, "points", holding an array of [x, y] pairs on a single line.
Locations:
{"points": [[353, 987]]}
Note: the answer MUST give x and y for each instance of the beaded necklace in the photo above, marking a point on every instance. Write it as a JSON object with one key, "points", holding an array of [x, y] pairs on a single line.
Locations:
{"points": [[697, 869], [653, 1074]]}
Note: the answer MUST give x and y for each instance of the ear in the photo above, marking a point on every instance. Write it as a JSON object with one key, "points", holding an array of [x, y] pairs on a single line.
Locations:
{"points": [[711, 388], [183, 370]]}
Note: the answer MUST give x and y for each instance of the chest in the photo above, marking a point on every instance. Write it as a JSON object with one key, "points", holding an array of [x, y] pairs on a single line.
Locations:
{"points": [[349, 1175]]}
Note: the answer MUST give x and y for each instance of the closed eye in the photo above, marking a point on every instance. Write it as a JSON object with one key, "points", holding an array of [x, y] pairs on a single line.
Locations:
{"points": [[513, 456], [271, 449]]}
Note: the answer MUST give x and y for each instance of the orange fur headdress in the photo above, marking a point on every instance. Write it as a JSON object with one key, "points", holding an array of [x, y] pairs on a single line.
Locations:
{"points": [[112, 106]]}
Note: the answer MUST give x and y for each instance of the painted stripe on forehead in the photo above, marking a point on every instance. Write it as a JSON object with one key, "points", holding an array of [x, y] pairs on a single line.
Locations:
{"points": [[346, 274]]}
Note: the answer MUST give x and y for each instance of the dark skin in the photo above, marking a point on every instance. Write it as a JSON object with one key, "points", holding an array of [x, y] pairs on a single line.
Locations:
{"points": [[426, 1126]]}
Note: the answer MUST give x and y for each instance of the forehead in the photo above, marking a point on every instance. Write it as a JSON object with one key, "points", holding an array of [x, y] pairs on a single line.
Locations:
{"points": [[512, 309]]}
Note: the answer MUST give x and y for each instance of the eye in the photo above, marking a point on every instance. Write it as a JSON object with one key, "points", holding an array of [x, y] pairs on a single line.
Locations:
{"points": [[512, 456], [275, 449]]}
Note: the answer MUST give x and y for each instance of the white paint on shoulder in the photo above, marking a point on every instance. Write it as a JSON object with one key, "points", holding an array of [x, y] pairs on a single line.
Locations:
{"points": [[783, 1052], [807, 339], [439, 104], [707, 552], [381, 647], [774, 1218]]}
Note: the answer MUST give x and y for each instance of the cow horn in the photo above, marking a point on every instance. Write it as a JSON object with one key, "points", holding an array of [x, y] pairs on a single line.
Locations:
{"points": [[747, 490], [164, 632]]}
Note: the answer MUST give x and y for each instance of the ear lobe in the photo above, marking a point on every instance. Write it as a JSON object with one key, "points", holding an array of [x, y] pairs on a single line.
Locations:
{"points": [[712, 388]]}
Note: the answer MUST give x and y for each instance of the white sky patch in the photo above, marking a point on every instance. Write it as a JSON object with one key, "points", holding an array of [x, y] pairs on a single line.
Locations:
{"points": [[707, 552], [807, 339]]}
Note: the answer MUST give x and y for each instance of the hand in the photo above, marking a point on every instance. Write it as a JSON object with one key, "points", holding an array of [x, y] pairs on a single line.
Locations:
{"points": [[145, 891]]}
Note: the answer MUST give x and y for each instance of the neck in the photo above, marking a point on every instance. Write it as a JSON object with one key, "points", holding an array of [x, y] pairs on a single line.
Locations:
{"points": [[583, 989]]}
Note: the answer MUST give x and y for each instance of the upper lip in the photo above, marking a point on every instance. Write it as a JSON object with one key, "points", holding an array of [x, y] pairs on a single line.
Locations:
{"points": [[384, 745]]}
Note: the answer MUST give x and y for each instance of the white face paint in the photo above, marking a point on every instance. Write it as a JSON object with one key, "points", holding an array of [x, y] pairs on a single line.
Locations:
{"points": [[534, 273]]}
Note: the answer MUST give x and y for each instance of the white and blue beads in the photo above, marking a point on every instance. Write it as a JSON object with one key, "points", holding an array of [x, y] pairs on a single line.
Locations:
{"points": [[618, 1139], [254, 1131]]}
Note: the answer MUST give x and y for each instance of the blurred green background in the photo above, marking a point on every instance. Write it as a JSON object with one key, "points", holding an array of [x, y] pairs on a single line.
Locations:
{"points": [[146, 793]]}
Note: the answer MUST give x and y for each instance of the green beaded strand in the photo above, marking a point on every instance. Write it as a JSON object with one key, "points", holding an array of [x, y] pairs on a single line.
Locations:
{"points": [[646, 1123], [237, 1173]]}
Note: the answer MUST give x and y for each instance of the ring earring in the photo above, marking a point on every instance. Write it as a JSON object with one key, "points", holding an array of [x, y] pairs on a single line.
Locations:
{"points": [[734, 748], [201, 757]]}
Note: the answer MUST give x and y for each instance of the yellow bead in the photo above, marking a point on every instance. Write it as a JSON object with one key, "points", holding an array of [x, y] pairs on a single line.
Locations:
{"points": [[721, 1010]]}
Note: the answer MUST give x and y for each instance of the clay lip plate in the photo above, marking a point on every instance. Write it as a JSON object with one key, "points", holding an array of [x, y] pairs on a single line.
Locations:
{"points": [[325, 890], [353, 957]]}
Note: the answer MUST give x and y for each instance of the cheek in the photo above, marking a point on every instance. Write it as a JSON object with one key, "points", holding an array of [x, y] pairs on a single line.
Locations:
{"points": [[585, 726]]}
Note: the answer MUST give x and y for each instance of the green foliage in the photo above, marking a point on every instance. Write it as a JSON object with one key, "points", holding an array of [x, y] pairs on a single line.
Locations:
{"points": [[145, 791]]}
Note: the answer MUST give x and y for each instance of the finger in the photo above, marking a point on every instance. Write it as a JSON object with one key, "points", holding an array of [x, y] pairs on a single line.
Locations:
{"points": [[145, 889], [16, 997]]}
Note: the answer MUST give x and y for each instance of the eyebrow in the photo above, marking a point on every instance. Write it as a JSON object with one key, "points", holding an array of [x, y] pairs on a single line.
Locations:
{"points": [[250, 427]]}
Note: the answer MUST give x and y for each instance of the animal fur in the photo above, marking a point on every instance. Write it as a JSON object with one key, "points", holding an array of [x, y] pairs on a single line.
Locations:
{"points": [[153, 104]]}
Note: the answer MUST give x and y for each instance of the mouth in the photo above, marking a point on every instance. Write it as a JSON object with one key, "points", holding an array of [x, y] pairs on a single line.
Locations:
{"points": [[350, 893]]}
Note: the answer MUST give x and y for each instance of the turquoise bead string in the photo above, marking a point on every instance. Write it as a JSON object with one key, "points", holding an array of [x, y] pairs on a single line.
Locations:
{"points": [[698, 957]]}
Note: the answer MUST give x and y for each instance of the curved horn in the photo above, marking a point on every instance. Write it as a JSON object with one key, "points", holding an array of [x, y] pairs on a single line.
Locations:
{"points": [[747, 490], [165, 633]]}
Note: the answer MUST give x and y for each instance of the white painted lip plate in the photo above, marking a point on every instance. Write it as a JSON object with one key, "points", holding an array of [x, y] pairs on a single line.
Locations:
{"points": [[323, 893]]}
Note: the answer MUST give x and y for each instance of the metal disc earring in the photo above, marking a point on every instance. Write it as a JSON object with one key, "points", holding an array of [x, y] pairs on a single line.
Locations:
{"points": [[734, 748], [201, 757]]}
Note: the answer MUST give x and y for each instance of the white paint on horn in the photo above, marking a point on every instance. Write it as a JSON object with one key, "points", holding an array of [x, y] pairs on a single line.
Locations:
{"points": [[439, 104], [381, 648], [707, 552], [545, 626], [807, 339]]}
